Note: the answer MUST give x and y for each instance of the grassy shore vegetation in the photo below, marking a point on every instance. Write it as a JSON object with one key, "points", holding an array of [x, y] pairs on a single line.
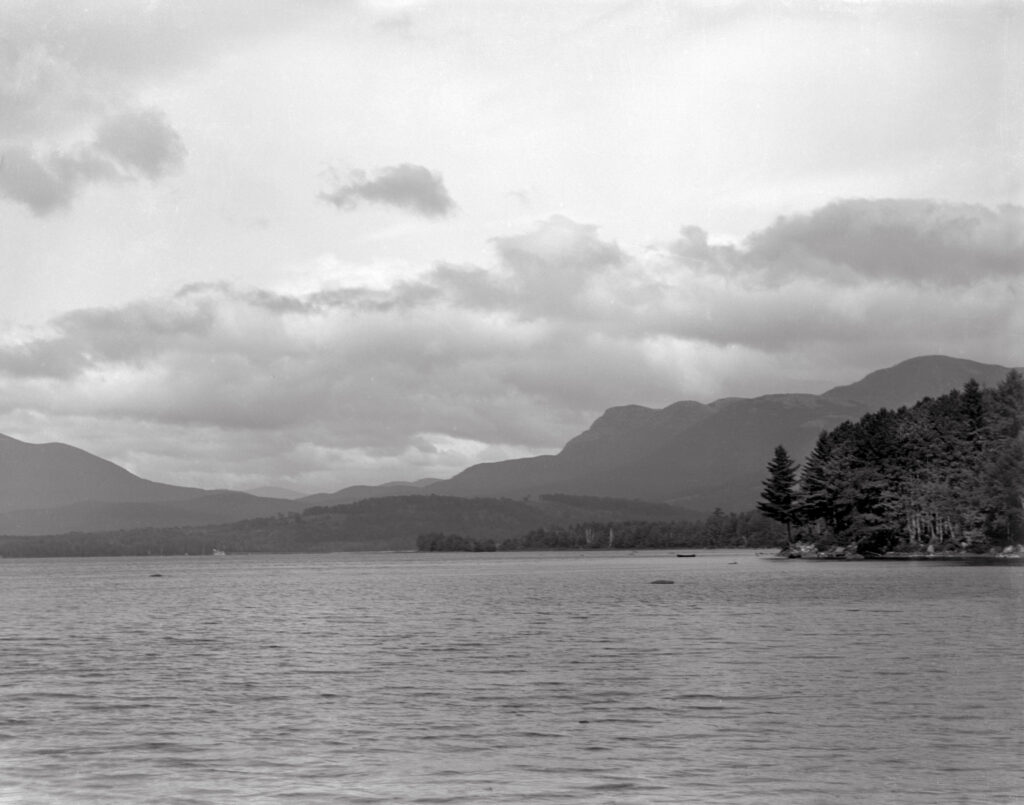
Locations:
{"points": [[946, 475]]}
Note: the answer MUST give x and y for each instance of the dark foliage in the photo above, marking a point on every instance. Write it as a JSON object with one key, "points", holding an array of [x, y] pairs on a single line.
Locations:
{"points": [[720, 530], [944, 475], [779, 497]]}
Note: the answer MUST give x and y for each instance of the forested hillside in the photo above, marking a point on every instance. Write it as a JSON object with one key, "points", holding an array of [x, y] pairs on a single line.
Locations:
{"points": [[372, 524], [946, 474]]}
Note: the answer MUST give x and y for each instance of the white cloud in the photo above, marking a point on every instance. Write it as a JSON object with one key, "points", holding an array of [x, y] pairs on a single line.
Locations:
{"points": [[375, 340], [923, 242], [67, 68], [409, 187], [127, 146]]}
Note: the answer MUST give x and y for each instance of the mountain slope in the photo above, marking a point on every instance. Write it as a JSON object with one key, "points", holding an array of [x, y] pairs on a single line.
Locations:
{"points": [[720, 464], [692, 454], [917, 378], [707, 456], [620, 435], [50, 488], [48, 475], [350, 494], [702, 458], [276, 492]]}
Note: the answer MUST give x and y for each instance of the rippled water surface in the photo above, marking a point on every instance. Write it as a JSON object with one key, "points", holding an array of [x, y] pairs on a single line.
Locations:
{"points": [[510, 678]]}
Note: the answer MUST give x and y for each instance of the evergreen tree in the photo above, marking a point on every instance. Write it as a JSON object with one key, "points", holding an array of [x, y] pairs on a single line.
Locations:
{"points": [[779, 499], [826, 500], [715, 530], [1003, 462]]}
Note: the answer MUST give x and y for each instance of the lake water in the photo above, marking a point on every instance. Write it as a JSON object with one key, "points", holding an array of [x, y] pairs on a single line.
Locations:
{"points": [[510, 678]]}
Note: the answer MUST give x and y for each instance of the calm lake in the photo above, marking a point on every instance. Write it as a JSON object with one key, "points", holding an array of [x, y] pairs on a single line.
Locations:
{"points": [[510, 678]]}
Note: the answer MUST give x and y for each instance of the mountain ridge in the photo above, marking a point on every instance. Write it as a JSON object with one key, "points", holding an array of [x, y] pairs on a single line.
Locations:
{"points": [[707, 456], [52, 487], [911, 380], [57, 474], [698, 455]]}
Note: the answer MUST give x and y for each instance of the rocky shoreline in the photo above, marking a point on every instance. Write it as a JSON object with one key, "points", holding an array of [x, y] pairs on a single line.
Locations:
{"points": [[806, 550]]}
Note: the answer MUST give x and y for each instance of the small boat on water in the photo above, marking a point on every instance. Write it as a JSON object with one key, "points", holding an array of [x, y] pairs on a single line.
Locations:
{"points": [[685, 555]]}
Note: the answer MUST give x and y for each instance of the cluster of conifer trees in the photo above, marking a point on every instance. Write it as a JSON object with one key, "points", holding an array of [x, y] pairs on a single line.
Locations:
{"points": [[944, 475]]}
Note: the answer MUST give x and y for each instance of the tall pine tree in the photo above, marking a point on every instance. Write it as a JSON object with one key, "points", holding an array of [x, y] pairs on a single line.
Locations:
{"points": [[779, 499]]}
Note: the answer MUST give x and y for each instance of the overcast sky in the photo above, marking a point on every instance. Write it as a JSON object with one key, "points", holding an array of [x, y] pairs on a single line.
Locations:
{"points": [[321, 243]]}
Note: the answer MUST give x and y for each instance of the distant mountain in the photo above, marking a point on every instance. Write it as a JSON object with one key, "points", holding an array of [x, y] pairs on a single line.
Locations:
{"points": [[350, 494], [420, 484], [698, 456], [707, 456], [913, 380], [50, 488], [276, 492], [689, 454], [36, 476]]}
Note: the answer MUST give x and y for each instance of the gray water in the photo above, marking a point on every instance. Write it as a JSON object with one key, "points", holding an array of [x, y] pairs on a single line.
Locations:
{"points": [[511, 678]]}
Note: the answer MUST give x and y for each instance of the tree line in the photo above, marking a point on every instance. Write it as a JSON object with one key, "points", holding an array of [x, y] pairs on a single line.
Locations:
{"points": [[720, 530], [391, 523], [946, 474]]}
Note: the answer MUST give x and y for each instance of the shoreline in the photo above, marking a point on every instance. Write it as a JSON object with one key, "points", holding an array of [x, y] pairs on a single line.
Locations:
{"points": [[969, 558]]}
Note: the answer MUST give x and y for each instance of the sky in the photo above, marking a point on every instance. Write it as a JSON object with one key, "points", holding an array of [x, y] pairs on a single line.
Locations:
{"points": [[322, 243]]}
